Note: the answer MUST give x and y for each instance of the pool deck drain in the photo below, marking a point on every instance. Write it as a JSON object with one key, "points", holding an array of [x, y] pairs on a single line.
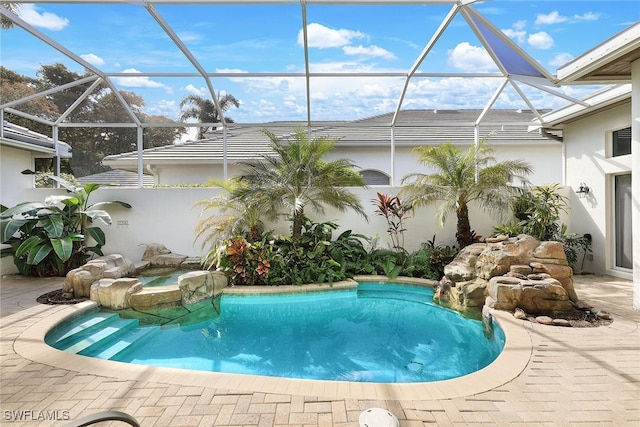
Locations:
{"points": [[570, 376]]}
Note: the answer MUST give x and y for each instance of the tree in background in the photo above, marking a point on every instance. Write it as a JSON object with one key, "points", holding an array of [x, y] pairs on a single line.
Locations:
{"points": [[5, 23], [461, 178], [90, 144], [16, 86], [204, 111]]}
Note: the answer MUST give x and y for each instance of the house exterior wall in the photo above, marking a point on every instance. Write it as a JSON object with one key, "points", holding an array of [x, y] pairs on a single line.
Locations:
{"points": [[635, 178], [546, 160], [588, 160], [13, 161], [182, 174]]}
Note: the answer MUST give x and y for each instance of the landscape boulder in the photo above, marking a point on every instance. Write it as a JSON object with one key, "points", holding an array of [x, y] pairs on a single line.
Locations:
{"points": [[507, 274]]}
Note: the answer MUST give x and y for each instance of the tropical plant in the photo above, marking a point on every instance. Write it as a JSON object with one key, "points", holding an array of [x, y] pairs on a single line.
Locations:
{"points": [[51, 238], [439, 256], [296, 177], [248, 262], [231, 217], [205, 111], [348, 250], [279, 260], [537, 212], [461, 178], [574, 245], [394, 212], [387, 262]]}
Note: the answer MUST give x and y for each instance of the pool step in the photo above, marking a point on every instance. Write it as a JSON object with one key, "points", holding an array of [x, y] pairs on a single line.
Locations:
{"points": [[85, 341], [65, 335], [102, 335], [112, 348], [404, 294]]}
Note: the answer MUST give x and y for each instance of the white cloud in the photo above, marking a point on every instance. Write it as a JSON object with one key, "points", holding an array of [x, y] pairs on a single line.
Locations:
{"points": [[370, 51], [323, 37], [519, 25], [200, 91], [560, 59], [470, 58], [517, 31], [93, 59], [164, 107], [38, 18], [541, 40], [551, 18], [517, 35], [142, 81], [588, 16], [189, 36]]}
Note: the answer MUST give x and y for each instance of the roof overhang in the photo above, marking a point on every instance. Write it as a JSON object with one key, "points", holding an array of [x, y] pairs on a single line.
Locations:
{"points": [[604, 98], [609, 62], [25, 139]]}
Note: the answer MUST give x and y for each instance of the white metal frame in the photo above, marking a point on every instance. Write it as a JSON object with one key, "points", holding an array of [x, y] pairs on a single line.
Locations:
{"points": [[543, 81]]}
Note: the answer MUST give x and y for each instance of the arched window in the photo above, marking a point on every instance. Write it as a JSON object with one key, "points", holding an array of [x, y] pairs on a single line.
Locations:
{"points": [[372, 177]]}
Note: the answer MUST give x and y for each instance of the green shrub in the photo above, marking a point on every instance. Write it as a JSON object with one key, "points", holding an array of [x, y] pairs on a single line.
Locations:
{"points": [[52, 238], [537, 213], [316, 258]]}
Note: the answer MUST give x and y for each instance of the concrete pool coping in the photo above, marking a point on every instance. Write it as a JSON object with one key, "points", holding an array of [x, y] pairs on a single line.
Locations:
{"points": [[510, 364]]}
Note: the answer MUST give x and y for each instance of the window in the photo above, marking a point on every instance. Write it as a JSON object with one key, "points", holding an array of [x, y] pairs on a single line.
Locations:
{"points": [[372, 177], [622, 222], [621, 142]]}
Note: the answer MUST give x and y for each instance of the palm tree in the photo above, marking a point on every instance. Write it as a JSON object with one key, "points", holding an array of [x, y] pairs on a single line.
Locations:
{"points": [[232, 217], [204, 110], [296, 177], [461, 178]]}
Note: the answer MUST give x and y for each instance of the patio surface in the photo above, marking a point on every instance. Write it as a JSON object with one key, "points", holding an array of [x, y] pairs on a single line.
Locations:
{"points": [[555, 377]]}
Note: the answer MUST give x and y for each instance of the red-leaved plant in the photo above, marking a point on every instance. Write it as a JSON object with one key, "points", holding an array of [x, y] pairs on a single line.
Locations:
{"points": [[392, 209]]}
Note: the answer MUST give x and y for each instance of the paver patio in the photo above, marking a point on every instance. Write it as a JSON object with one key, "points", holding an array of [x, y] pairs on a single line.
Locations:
{"points": [[573, 377]]}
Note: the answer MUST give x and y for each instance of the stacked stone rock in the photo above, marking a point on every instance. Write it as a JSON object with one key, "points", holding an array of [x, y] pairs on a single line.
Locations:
{"points": [[508, 273], [106, 280]]}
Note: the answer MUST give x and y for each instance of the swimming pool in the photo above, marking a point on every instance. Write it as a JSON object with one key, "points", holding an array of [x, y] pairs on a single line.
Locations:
{"points": [[376, 333]]}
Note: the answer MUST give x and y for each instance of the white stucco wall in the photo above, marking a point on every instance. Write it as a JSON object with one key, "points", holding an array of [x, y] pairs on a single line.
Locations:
{"points": [[13, 162], [545, 159], [191, 174], [635, 178], [12, 186], [167, 216], [588, 160]]}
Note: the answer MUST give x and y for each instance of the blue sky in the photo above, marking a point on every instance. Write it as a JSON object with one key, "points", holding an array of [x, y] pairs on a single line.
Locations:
{"points": [[342, 38]]}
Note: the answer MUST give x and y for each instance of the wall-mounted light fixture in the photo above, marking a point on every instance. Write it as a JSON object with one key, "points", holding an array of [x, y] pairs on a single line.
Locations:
{"points": [[583, 190]]}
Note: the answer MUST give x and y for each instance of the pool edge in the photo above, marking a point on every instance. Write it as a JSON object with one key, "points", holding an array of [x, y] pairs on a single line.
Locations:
{"points": [[508, 365]]}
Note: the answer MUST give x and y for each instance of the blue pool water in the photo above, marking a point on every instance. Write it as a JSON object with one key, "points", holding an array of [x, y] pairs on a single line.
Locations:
{"points": [[377, 333], [160, 276]]}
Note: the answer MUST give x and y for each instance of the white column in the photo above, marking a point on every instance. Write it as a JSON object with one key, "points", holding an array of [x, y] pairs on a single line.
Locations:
{"points": [[392, 158], [635, 179], [56, 146], [140, 143]]}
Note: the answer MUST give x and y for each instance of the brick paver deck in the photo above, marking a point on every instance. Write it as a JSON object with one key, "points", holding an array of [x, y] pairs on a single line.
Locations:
{"points": [[570, 377]]}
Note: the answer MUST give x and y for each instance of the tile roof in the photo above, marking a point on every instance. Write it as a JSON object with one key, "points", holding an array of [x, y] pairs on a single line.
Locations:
{"points": [[116, 177], [23, 138], [413, 128]]}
